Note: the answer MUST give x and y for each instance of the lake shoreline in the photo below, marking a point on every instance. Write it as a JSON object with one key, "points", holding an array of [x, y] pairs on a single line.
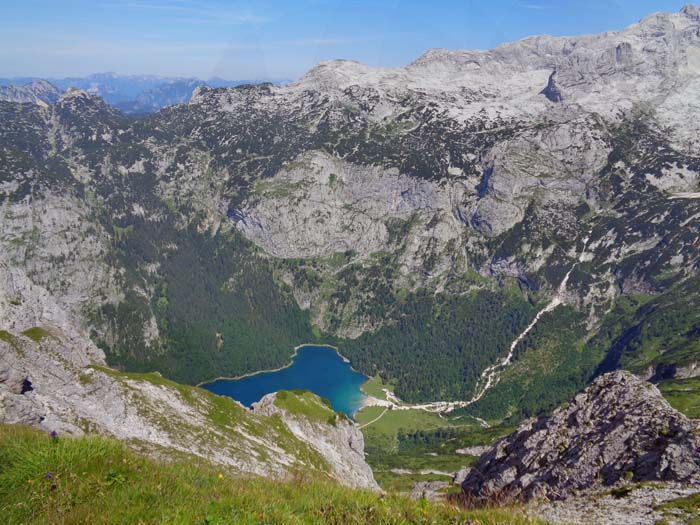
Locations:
{"points": [[319, 368], [272, 370]]}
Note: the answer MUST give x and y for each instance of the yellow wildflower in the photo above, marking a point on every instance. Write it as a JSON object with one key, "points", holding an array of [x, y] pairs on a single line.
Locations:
{"points": [[221, 476]]}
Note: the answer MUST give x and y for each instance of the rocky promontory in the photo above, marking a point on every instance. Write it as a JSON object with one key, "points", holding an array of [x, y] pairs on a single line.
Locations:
{"points": [[618, 432]]}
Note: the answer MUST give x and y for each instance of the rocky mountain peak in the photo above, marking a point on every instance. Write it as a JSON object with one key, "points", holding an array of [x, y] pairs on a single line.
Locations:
{"points": [[199, 92], [43, 84], [691, 11], [331, 75], [619, 430], [86, 119], [83, 104], [73, 93]]}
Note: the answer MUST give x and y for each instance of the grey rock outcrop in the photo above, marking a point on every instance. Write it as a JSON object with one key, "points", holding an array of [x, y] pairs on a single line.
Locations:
{"points": [[642, 504], [619, 430], [461, 475], [430, 490], [477, 450]]}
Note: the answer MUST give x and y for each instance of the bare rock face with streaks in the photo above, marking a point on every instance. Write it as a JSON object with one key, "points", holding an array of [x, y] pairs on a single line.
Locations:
{"points": [[320, 205]]}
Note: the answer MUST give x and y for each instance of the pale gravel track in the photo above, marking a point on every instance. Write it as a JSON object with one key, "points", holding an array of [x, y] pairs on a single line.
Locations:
{"points": [[374, 420]]}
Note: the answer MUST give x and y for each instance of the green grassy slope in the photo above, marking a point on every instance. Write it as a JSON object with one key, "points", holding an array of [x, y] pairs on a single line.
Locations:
{"points": [[683, 395], [98, 480], [686, 509]]}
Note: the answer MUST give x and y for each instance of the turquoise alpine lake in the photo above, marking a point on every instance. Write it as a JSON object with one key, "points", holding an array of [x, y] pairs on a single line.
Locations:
{"points": [[317, 368]]}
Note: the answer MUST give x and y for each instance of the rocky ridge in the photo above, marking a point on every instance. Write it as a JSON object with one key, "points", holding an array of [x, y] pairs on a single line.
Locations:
{"points": [[59, 382]]}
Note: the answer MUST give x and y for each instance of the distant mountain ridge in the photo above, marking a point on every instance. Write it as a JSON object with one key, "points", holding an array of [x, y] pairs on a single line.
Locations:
{"points": [[132, 94], [38, 92]]}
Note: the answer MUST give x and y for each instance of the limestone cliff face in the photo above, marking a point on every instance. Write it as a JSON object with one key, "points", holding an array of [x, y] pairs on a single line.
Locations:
{"points": [[53, 262], [58, 382], [320, 205], [618, 431]]}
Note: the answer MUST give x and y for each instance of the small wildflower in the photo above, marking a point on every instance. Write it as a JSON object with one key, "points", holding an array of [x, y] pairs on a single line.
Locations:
{"points": [[48, 475], [220, 476], [54, 434], [30, 482]]}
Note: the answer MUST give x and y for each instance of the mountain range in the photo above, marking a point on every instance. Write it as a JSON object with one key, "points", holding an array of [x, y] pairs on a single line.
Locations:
{"points": [[496, 228], [132, 94]]}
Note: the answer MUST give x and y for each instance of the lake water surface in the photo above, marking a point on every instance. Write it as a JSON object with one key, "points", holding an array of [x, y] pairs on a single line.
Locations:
{"points": [[316, 368]]}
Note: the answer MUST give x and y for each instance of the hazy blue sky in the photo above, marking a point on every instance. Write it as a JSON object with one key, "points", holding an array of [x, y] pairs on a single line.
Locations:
{"points": [[277, 39]]}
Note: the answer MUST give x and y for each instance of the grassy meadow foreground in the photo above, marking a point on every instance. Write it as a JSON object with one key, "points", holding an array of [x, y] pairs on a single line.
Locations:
{"points": [[93, 479]]}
